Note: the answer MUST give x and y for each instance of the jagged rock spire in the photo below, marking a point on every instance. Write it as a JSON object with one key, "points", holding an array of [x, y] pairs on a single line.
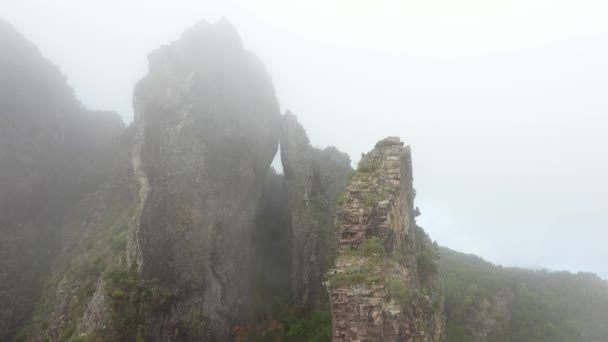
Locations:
{"points": [[385, 286]]}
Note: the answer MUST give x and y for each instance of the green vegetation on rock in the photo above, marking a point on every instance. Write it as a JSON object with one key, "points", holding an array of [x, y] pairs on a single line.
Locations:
{"points": [[399, 292], [493, 303], [126, 294], [348, 278], [340, 200], [371, 247], [368, 165], [285, 323]]}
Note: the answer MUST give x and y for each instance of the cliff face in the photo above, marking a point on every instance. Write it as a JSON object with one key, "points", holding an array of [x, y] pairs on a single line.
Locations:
{"points": [[53, 152], [207, 122], [385, 286], [314, 179], [270, 266]]}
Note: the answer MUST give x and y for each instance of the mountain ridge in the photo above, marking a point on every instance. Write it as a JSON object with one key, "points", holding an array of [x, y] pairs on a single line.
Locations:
{"points": [[176, 228]]}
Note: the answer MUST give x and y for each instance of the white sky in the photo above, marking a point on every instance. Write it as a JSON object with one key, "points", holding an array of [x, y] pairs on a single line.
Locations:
{"points": [[505, 103]]}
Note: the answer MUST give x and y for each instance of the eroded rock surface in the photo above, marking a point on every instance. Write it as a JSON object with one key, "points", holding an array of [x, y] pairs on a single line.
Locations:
{"points": [[385, 286], [209, 128], [314, 178]]}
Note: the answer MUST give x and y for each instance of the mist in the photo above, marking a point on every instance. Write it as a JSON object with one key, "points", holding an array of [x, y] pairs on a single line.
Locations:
{"points": [[503, 103]]}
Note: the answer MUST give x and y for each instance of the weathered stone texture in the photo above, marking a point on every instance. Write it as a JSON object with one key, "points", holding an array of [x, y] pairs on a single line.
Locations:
{"points": [[314, 178], [385, 286], [209, 123]]}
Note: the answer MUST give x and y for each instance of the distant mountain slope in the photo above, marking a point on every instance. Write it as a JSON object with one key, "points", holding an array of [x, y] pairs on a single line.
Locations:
{"points": [[52, 153], [485, 302]]}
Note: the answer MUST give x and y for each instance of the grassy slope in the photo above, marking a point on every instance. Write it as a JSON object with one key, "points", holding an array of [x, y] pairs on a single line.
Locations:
{"points": [[512, 304]]}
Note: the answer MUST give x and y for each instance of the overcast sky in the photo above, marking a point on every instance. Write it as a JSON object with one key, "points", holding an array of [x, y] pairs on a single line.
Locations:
{"points": [[505, 103]]}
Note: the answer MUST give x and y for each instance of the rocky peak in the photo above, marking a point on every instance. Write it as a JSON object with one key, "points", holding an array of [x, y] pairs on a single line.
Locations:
{"points": [[385, 286], [222, 33], [208, 128], [389, 141], [294, 143]]}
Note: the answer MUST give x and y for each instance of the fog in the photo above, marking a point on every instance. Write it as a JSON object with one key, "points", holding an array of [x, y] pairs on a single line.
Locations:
{"points": [[503, 102]]}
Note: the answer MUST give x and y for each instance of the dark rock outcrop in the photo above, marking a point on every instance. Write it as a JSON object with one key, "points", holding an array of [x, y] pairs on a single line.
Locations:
{"points": [[386, 285], [52, 153], [207, 122], [314, 178], [270, 270]]}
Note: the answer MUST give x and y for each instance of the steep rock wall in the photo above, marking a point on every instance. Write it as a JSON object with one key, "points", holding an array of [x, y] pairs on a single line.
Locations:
{"points": [[314, 179], [209, 123], [270, 271], [385, 286]]}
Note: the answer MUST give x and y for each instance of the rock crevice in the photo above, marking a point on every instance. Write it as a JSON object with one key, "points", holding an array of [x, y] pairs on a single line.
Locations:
{"points": [[314, 180]]}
